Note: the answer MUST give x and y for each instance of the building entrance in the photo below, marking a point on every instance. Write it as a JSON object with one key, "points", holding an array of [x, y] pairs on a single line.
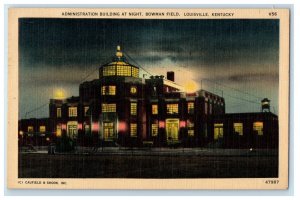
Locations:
{"points": [[72, 129], [172, 129], [108, 131], [218, 131]]}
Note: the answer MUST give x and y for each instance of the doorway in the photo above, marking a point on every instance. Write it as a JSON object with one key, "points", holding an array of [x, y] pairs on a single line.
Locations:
{"points": [[72, 129], [172, 129], [218, 131], [108, 131]]}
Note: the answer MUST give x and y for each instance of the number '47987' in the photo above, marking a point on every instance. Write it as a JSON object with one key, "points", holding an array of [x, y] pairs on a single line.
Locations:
{"points": [[272, 181]]}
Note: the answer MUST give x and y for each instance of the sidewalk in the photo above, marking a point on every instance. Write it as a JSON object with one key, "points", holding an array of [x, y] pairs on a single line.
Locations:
{"points": [[162, 151]]}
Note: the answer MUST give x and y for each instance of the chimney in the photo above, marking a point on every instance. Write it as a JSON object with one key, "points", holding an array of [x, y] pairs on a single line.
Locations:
{"points": [[171, 76]]}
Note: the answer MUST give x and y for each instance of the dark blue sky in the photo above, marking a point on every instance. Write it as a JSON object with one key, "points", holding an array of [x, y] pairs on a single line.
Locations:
{"points": [[238, 58]]}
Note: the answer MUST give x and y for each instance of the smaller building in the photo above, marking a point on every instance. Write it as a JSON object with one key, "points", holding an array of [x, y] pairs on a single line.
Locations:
{"points": [[246, 130], [36, 132]]}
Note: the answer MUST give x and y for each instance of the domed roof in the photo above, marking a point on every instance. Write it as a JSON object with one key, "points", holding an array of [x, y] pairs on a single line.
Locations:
{"points": [[119, 67]]}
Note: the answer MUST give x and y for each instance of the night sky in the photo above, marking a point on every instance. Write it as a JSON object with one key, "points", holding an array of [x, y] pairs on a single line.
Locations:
{"points": [[234, 58]]}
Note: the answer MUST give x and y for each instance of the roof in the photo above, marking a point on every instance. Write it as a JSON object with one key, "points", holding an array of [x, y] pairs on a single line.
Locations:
{"points": [[119, 59], [246, 115], [119, 63]]}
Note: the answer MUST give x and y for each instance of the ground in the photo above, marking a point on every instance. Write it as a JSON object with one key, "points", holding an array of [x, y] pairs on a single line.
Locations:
{"points": [[178, 163]]}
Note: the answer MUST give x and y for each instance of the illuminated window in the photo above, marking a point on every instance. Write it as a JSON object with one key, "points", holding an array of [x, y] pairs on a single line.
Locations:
{"points": [[87, 128], [108, 130], [133, 90], [86, 108], [109, 71], [172, 108], [154, 109], [108, 90], [238, 128], [154, 129], [58, 112], [258, 128], [30, 128], [218, 131], [190, 107], [190, 127], [72, 111], [108, 107], [72, 129], [58, 130], [133, 130], [135, 72], [133, 108], [124, 70], [42, 129]]}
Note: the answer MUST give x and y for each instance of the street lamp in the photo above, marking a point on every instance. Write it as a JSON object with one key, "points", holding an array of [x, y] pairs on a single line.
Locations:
{"points": [[21, 133]]}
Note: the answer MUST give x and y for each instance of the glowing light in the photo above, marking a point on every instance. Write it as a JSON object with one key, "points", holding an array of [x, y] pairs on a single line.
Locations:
{"points": [[59, 94], [191, 86], [95, 127], [48, 139], [63, 126], [58, 133], [79, 126], [182, 124], [122, 126], [21, 133], [161, 124]]}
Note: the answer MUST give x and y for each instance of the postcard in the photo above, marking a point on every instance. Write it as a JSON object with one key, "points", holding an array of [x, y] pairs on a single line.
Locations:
{"points": [[140, 98]]}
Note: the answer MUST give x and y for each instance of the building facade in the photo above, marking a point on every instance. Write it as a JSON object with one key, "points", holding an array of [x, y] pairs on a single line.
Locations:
{"points": [[122, 108]]}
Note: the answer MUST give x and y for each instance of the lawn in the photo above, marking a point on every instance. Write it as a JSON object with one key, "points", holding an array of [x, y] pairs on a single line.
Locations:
{"points": [[145, 166]]}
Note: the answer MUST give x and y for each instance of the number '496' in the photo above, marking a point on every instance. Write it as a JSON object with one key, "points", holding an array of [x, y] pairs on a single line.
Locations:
{"points": [[272, 14]]}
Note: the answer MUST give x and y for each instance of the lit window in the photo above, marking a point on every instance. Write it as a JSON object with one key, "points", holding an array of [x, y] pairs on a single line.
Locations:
{"points": [[191, 133], [135, 72], [218, 131], [154, 109], [109, 71], [58, 112], [190, 127], [133, 130], [124, 70], [72, 129], [154, 129], [108, 90], [42, 129], [30, 129], [258, 128], [238, 128], [108, 130], [86, 108], [190, 107], [133, 108], [58, 130], [108, 107], [72, 111], [133, 90], [87, 128], [172, 108]]}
